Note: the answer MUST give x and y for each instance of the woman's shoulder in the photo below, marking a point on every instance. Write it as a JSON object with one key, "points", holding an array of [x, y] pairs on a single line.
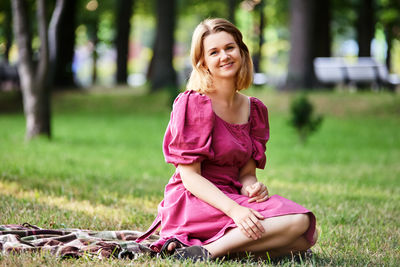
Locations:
{"points": [[192, 98], [258, 110], [192, 106], [257, 103]]}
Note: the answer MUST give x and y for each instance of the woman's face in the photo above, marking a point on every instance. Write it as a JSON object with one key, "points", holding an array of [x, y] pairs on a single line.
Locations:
{"points": [[222, 55]]}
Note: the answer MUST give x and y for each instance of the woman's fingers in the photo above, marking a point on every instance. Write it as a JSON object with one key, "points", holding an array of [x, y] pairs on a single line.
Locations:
{"points": [[244, 231], [251, 226], [256, 219], [253, 189], [251, 229], [248, 222], [261, 196], [258, 215], [263, 199]]}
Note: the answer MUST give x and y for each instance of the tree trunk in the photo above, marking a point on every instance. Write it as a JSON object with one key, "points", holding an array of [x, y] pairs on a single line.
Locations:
{"points": [[389, 42], [260, 32], [232, 4], [300, 70], [322, 37], [35, 82], [365, 27], [63, 74], [322, 29], [8, 35], [95, 40], [161, 72], [122, 41]]}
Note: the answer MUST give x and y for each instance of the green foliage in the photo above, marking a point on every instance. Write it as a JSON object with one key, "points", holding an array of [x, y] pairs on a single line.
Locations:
{"points": [[302, 117], [201, 9]]}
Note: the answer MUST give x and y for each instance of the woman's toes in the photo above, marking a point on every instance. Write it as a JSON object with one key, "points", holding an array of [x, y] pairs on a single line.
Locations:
{"points": [[171, 246]]}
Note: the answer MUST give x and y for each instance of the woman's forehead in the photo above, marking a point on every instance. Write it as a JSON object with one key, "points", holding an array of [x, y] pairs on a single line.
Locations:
{"points": [[217, 39]]}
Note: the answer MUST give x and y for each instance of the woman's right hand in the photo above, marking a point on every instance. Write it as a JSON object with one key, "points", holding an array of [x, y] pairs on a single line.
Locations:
{"points": [[248, 221]]}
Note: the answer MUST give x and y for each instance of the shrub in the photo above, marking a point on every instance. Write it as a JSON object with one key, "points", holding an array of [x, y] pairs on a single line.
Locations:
{"points": [[302, 117]]}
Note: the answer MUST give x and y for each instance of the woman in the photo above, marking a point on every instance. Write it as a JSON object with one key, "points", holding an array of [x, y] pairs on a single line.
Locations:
{"points": [[213, 205]]}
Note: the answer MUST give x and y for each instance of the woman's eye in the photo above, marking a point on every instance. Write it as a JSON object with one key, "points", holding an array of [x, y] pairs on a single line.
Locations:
{"points": [[213, 53], [229, 48]]}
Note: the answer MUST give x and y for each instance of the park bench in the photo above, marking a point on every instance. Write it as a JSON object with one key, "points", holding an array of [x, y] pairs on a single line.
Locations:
{"points": [[360, 71]]}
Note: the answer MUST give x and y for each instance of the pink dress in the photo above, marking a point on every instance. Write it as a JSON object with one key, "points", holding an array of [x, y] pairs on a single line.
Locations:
{"points": [[196, 134]]}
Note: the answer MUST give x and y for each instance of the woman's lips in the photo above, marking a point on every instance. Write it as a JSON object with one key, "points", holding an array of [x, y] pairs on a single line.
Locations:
{"points": [[227, 65]]}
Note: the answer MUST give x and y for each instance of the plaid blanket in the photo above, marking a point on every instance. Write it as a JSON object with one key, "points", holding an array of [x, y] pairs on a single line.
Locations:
{"points": [[73, 242]]}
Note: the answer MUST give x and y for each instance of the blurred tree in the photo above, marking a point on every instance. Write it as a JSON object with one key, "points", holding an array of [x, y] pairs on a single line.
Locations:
{"points": [[35, 80], [260, 25], [232, 6], [365, 27], [5, 28], [256, 8], [97, 17], [201, 9], [124, 14], [161, 72], [88, 16], [322, 29], [311, 37], [389, 17], [300, 70], [63, 74]]}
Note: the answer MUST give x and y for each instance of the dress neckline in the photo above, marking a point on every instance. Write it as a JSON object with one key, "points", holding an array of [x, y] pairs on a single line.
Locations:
{"points": [[236, 124]]}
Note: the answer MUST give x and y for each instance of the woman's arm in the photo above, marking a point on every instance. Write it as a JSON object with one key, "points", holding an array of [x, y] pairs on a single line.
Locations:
{"points": [[245, 218], [250, 186]]}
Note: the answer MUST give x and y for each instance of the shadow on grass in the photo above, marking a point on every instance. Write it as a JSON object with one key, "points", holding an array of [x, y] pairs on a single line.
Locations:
{"points": [[11, 102]]}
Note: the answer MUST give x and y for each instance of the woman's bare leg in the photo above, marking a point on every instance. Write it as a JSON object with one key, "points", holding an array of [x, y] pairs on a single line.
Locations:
{"points": [[282, 235]]}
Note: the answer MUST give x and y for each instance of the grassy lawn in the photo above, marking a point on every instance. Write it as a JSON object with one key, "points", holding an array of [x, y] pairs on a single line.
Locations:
{"points": [[104, 169]]}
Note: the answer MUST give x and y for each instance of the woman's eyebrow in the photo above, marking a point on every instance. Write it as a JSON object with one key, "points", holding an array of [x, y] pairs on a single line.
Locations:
{"points": [[231, 43]]}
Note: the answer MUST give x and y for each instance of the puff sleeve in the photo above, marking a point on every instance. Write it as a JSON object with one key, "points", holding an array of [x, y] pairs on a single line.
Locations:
{"points": [[189, 133], [259, 132]]}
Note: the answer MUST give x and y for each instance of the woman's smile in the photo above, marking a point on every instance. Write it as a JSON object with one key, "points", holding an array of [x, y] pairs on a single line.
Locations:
{"points": [[227, 65]]}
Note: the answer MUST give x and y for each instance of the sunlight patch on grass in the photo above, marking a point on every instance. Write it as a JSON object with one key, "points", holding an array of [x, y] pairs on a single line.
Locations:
{"points": [[109, 212], [335, 190]]}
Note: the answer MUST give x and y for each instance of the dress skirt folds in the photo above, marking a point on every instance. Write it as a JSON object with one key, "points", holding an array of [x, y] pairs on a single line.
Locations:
{"points": [[196, 134]]}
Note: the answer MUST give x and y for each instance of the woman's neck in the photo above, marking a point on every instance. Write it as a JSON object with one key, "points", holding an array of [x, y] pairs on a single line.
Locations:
{"points": [[224, 92]]}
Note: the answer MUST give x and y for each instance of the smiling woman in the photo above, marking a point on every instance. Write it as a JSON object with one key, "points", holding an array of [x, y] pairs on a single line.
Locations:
{"points": [[214, 205], [222, 56], [201, 79]]}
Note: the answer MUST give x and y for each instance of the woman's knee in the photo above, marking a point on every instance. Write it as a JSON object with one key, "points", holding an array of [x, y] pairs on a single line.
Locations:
{"points": [[299, 223]]}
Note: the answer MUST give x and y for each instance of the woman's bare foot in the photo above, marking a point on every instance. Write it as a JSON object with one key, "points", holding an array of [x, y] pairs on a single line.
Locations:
{"points": [[171, 246]]}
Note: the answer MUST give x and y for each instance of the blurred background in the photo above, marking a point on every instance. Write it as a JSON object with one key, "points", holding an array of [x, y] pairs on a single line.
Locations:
{"points": [[54, 45], [126, 41]]}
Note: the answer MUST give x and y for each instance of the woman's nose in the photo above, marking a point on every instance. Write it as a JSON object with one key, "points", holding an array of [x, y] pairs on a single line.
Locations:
{"points": [[224, 55]]}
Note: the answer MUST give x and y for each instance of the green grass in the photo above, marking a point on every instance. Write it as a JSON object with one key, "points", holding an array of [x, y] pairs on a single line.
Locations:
{"points": [[104, 169]]}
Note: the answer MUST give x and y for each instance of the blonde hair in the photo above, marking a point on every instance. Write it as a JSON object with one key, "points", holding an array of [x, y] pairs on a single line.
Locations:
{"points": [[200, 79]]}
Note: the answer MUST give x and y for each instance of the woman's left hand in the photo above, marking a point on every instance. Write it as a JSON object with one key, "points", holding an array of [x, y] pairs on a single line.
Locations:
{"points": [[257, 192]]}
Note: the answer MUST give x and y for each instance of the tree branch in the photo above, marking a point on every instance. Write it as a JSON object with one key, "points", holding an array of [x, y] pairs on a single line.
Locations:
{"points": [[44, 49], [23, 38], [53, 37]]}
